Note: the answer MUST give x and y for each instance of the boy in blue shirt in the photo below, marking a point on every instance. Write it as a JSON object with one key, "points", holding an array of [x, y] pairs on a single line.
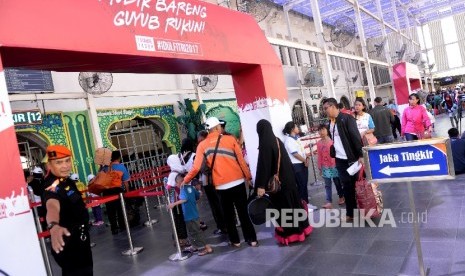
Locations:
{"points": [[188, 198]]}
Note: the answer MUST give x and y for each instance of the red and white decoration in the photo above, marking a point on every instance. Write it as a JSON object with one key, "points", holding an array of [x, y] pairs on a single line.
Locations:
{"points": [[18, 237]]}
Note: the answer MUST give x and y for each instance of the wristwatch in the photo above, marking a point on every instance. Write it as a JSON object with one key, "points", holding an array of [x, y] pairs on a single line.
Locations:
{"points": [[51, 224]]}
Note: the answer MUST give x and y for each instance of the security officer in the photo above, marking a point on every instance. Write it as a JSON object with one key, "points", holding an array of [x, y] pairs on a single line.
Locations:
{"points": [[67, 216]]}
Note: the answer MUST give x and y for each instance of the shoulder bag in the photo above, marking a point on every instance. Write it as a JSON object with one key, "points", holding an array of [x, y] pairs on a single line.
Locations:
{"points": [[105, 180], [209, 170], [101, 182], [332, 149], [274, 184]]}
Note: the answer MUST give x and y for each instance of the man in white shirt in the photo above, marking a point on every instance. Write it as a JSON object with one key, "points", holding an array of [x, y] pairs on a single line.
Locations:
{"points": [[347, 150]]}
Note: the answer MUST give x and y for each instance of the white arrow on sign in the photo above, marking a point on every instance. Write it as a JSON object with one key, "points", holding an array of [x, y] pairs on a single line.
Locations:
{"points": [[422, 168]]}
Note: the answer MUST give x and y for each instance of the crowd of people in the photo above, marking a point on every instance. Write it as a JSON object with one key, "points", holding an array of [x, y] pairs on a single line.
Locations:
{"points": [[216, 165]]}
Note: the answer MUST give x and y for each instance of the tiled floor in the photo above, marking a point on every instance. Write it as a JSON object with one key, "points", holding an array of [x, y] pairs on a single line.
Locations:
{"points": [[329, 251]]}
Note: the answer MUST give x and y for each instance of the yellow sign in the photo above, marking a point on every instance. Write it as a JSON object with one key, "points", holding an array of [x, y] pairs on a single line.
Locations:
{"points": [[360, 93]]}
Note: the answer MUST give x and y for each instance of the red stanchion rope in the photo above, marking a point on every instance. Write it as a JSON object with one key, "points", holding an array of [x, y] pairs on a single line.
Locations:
{"points": [[44, 234], [96, 201], [137, 192]]}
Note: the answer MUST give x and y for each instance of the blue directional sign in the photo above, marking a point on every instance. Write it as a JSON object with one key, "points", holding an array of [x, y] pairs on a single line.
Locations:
{"points": [[410, 161]]}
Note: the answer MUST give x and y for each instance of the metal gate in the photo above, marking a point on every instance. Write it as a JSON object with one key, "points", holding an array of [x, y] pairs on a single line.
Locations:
{"points": [[32, 155], [140, 146]]}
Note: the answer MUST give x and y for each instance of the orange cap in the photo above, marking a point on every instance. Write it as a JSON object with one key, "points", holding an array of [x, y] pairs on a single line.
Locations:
{"points": [[57, 152]]}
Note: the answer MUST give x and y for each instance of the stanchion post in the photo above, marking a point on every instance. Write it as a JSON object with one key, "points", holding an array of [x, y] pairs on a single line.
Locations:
{"points": [[43, 248], [149, 221], [416, 231], [159, 201], [180, 255], [132, 250], [313, 165]]}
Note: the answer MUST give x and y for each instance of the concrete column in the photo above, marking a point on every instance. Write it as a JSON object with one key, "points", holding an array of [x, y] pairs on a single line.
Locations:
{"points": [[297, 68], [321, 42], [198, 96], [387, 47], [427, 62], [96, 133], [361, 32]]}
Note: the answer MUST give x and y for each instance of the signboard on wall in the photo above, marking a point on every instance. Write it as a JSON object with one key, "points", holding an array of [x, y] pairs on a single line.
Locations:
{"points": [[360, 93], [24, 81], [27, 117]]}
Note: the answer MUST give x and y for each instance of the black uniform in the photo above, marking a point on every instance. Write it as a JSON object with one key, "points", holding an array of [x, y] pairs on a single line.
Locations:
{"points": [[76, 258]]}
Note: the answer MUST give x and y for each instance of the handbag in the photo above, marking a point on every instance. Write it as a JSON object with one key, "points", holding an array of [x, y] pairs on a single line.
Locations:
{"points": [[369, 139], [366, 200], [208, 171], [257, 209], [274, 184], [425, 135]]}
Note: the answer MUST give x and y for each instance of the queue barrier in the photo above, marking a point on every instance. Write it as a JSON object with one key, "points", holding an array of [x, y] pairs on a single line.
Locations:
{"points": [[153, 177], [95, 201], [310, 144]]}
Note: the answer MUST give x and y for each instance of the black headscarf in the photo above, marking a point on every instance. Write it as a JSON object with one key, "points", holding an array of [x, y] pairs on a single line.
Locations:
{"points": [[267, 153], [267, 164], [265, 133]]}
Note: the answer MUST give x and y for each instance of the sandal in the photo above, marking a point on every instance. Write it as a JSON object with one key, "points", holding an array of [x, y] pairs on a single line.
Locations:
{"points": [[205, 251], [191, 249], [253, 244], [236, 245]]}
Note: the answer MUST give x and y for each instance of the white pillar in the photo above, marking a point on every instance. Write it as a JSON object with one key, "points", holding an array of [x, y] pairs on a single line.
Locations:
{"points": [[321, 42], [298, 70], [96, 134], [198, 96], [396, 16], [387, 47], [427, 62], [363, 42]]}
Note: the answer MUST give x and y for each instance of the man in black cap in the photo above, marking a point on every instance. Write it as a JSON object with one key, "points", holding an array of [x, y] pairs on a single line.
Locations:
{"points": [[67, 216]]}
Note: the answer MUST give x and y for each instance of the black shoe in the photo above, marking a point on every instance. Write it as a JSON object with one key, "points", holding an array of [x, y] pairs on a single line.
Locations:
{"points": [[114, 231]]}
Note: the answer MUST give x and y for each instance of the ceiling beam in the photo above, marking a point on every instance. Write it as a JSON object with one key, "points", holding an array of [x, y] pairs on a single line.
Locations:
{"points": [[417, 4], [372, 15], [436, 9], [290, 4]]}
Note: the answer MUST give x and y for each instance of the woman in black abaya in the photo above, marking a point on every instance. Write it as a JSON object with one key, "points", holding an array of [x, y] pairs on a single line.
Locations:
{"points": [[288, 196]]}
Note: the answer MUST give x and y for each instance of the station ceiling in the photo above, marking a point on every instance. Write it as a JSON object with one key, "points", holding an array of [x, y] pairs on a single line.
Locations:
{"points": [[409, 12]]}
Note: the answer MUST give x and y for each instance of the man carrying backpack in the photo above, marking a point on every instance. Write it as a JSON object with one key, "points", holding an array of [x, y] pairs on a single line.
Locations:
{"points": [[114, 210]]}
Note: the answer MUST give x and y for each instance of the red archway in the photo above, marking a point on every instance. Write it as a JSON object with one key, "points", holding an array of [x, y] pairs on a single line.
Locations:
{"points": [[146, 36]]}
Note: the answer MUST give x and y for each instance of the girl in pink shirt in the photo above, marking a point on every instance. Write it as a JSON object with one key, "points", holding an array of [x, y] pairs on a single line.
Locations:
{"points": [[415, 120], [327, 167]]}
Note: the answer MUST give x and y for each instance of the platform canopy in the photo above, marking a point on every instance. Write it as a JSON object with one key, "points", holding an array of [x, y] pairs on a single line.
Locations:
{"points": [[409, 12]]}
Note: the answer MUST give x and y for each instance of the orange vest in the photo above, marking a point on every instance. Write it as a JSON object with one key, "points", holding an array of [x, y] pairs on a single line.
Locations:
{"points": [[229, 162]]}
